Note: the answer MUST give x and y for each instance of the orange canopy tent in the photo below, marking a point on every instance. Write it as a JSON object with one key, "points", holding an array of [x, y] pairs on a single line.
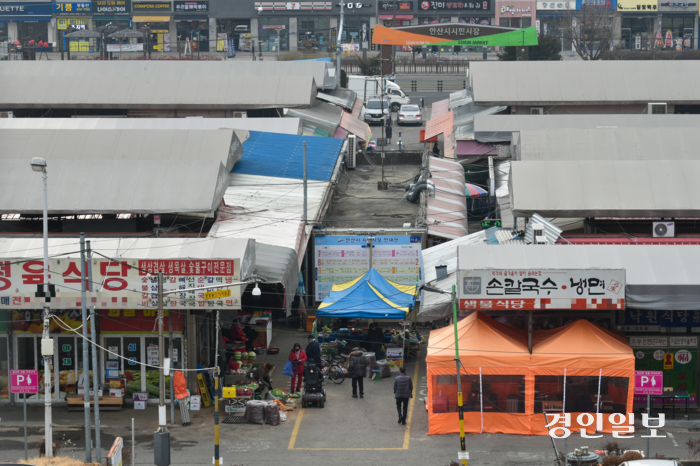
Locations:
{"points": [[578, 368]]}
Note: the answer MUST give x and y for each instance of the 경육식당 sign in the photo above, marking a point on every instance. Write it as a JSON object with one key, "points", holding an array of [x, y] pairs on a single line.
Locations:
{"points": [[495, 289], [648, 382]]}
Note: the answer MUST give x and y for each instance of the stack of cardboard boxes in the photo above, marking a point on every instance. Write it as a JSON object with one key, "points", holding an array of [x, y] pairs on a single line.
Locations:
{"points": [[195, 403], [140, 400]]}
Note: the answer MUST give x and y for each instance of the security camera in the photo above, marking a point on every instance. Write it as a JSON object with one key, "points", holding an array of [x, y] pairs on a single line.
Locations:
{"points": [[256, 293]]}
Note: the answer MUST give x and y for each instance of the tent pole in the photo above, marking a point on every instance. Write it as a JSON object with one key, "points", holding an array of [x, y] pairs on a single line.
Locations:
{"points": [[529, 331], [462, 443]]}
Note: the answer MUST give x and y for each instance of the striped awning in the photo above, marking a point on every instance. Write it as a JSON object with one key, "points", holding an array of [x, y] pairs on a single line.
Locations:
{"points": [[447, 211]]}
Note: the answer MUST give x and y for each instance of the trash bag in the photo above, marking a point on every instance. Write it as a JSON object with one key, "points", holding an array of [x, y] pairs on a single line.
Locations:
{"points": [[288, 369], [255, 411], [272, 414], [384, 368]]}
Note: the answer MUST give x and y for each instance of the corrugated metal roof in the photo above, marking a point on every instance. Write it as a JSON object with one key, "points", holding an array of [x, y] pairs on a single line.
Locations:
{"points": [[598, 82], [339, 96], [499, 128], [357, 127], [320, 114], [459, 98], [357, 108], [447, 211], [464, 117], [156, 84], [608, 144], [263, 193], [601, 188], [438, 306], [281, 155], [138, 248], [626, 240], [439, 125], [551, 231], [116, 171], [439, 108], [499, 236], [449, 146]]}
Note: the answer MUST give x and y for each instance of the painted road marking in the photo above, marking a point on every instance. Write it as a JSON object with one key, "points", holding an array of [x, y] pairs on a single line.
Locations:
{"points": [[672, 439], [406, 439]]}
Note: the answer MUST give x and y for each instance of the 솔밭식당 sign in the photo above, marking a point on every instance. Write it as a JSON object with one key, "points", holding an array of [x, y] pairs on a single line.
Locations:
{"points": [[339, 259], [24, 381], [123, 285], [648, 382], [492, 289]]}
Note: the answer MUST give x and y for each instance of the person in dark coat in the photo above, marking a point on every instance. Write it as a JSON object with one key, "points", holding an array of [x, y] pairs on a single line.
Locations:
{"points": [[375, 339], [251, 334], [403, 391], [262, 374], [357, 370], [313, 351], [388, 131], [436, 149]]}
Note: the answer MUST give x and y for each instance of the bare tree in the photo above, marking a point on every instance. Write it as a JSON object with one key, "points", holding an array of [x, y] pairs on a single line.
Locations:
{"points": [[592, 30]]}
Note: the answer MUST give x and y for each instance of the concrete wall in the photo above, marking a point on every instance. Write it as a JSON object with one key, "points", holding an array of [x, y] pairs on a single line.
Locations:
{"points": [[586, 109]]}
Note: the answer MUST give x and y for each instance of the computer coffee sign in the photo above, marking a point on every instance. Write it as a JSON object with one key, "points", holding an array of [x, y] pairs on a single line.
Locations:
{"points": [[497, 289]]}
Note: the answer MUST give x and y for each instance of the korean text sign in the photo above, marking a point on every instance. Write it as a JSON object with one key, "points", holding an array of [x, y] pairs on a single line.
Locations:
{"points": [[67, 8], [111, 7], [497, 289], [648, 382], [24, 381], [119, 285]]}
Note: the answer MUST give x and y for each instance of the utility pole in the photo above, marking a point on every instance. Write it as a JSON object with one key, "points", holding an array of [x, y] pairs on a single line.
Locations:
{"points": [[460, 401], [170, 373], [370, 245], [216, 396], [306, 216], [339, 44], [86, 352], [161, 438], [95, 382]]}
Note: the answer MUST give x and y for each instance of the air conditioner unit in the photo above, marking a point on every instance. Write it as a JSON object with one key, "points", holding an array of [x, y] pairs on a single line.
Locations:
{"points": [[536, 110], [6, 115], [352, 151], [664, 229], [656, 109], [538, 233]]}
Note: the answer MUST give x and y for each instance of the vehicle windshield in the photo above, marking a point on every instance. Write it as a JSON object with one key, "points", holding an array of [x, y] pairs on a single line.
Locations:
{"points": [[410, 108], [377, 104]]}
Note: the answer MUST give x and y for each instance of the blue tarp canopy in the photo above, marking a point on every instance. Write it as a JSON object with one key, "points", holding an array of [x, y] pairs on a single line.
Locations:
{"points": [[369, 296]]}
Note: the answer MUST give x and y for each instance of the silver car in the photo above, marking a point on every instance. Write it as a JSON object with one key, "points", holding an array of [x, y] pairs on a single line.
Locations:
{"points": [[410, 114]]}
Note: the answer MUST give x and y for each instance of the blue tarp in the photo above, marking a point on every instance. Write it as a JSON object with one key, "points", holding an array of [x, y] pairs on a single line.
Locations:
{"points": [[282, 156], [369, 296]]}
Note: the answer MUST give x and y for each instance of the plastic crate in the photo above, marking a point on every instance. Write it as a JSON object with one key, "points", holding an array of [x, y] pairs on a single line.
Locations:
{"points": [[310, 323]]}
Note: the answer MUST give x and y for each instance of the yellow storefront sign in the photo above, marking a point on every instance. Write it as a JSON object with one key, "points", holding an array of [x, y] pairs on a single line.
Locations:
{"points": [[647, 6], [79, 46], [63, 23], [216, 294]]}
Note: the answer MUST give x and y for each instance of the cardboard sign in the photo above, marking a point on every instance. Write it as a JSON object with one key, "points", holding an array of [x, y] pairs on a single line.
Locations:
{"points": [[648, 382]]}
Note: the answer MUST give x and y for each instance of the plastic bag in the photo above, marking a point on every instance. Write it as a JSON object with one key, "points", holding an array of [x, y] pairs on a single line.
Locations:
{"points": [[255, 411], [283, 416], [288, 369], [384, 369], [272, 414]]}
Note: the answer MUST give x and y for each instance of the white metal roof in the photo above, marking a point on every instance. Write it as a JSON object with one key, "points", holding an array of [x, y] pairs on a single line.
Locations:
{"points": [[242, 126], [500, 128], [138, 248], [657, 276], [599, 82], [608, 144], [116, 171], [157, 84], [602, 188], [447, 211]]}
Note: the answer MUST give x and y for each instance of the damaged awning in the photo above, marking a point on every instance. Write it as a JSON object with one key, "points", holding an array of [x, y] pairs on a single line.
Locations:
{"points": [[339, 96], [447, 211], [320, 114]]}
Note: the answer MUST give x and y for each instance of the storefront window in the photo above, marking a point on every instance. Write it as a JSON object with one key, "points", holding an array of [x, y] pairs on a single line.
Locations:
{"points": [[501, 393], [515, 22], [314, 33], [193, 32], [356, 25], [434, 20], [637, 33], [475, 20], [158, 35], [273, 34], [678, 29], [4, 369], [3, 32]]}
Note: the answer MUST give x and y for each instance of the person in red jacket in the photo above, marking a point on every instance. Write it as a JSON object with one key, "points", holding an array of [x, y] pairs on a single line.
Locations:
{"points": [[298, 358]]}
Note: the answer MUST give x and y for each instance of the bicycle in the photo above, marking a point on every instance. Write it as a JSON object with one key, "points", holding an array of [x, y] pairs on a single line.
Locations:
{"points": [[334, 369]]}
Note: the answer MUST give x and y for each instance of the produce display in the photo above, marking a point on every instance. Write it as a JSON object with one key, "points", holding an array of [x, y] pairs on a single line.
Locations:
{"points": [[133, 383]]}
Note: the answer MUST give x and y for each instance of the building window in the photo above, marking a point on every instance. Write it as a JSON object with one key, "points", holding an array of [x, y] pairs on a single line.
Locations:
{"points": [[677, 33], [356, 25], [485, 21], [314, 33], [273, 34], [515, 22]]}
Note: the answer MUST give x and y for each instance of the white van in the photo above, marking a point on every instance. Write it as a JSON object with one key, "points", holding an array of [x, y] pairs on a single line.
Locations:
{"points": [[370, 86]]}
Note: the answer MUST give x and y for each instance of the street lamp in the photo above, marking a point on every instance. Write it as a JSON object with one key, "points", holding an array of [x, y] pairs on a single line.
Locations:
{"points": [[39, 165], [453, 295]]}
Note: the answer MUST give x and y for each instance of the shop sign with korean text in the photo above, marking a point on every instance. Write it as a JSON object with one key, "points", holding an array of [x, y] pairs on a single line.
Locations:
{"points": [[400, 6], [559, 5], [678, 6], [191, 7], [496, 289], [658, 319], [430, 5], [140, 7], [72, 8], [596, 4], [111, 7], [25, 9], [637, 6], [648, 342], [124, 285]]}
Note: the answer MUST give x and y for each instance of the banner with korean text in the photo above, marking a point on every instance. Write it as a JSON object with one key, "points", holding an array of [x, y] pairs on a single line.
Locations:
{"points": [[493, 289], [130, 284]]}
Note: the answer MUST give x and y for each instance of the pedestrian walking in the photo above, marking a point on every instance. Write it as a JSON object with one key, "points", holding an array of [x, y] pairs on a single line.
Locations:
{"points": [[388, 132], [403, 391], [298, 357], [357, 370]]}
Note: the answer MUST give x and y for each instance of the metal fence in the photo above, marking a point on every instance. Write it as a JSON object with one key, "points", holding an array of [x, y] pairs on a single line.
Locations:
{"points": [[408, 65]]}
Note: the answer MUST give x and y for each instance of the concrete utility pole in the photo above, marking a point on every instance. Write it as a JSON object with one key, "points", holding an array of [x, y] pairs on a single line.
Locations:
{"points": [[86, 351], [339, 44], [95, 383], [161, 344]]}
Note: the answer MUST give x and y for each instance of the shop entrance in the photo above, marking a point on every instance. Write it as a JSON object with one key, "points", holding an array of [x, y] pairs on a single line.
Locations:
{"points": [[33, 31], [139, 350]]}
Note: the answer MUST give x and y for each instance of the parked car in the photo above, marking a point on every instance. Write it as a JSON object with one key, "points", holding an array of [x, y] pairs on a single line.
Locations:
{"points": [[374, 110], [410, 114]]}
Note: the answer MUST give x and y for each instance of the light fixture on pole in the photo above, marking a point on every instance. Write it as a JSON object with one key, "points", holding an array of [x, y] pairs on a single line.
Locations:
{"points": [[39, 165], [453, 296]]}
